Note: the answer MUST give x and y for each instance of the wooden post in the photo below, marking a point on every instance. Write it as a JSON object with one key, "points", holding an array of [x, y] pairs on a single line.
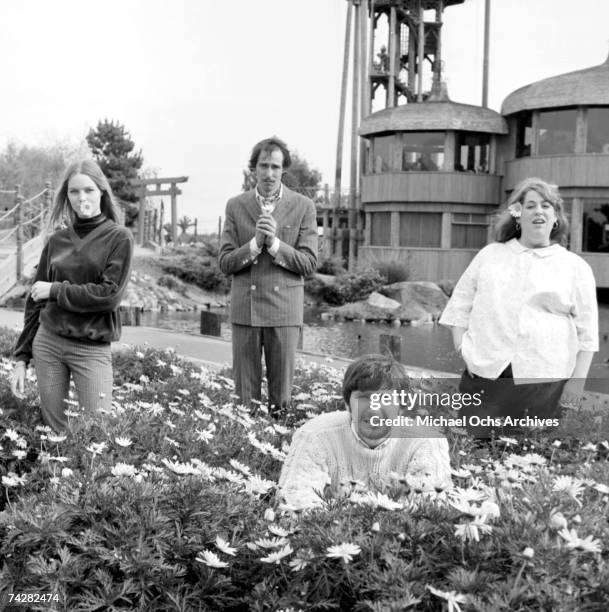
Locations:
{"points": [[155, 220], [412, 59], [341, 119], [365, 89], [390, 102], [219, 230], [161, 223], [174, 214], [19, 234], [437, 63], [368, 107], [140, 218], [391, 345], [487, 28], [210, 323], [354, 182], [47, 199], [196, 226], [421, 54]]}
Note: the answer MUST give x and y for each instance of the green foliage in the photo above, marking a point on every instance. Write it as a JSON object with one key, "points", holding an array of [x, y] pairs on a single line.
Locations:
{"points": [[332, 265], [31, 167], [112, 147], [348, 287], [194, 264], [173, 283], [124, 526], [392, 271]]}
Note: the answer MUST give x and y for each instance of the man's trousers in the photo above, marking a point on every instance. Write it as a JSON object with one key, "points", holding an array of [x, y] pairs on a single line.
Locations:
{"points": [[279, 346]]}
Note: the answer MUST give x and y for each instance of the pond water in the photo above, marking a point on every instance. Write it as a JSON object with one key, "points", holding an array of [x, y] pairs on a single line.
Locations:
{"points": [[428, 346]]}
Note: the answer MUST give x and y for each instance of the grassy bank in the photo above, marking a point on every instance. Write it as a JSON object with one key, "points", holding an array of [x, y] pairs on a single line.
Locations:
{"points": [[167, 502]]}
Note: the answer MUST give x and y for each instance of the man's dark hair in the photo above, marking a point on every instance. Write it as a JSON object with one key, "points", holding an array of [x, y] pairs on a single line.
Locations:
{"points": [[268, 145], [374, 373]]}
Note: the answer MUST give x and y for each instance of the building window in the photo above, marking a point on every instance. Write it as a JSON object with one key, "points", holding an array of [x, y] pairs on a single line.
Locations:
{"points": [[422, 151], [524, 134], [557, 131], [469, 230], [596, 227], [420, 229], [472, 152], [382, 149], [598, 130], [380, 229]]}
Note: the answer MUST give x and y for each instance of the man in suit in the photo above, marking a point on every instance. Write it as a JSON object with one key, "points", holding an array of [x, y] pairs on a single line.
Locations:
{"points": [[269, 245]]}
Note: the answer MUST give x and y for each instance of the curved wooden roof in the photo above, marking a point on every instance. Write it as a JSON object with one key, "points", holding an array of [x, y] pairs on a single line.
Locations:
{"points": [[582, 87], [436, 115]]}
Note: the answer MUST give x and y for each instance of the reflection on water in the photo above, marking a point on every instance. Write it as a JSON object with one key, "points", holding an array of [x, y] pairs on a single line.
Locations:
{"points": [[428, 346]]}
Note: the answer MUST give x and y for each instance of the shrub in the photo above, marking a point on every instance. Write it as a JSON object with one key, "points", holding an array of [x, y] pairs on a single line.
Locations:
{"points": [[349, 287], [333, 265], [197, 268], [392, 271], [173, 283]]}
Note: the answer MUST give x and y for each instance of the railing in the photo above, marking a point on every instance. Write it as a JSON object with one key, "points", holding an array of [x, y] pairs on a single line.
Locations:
{"points": [[22, 242]]}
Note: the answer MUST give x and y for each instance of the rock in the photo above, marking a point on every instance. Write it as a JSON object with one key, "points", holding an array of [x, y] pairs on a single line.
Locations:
{"points": [[418, 298], [447, 286], [380, 301]]}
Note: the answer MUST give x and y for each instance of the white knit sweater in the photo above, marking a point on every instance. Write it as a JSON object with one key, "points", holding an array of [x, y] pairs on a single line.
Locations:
{"points": [[325, 451]]}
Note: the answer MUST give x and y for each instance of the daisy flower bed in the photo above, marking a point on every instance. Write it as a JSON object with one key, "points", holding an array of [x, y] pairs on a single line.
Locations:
{"points": [[169, 502]]}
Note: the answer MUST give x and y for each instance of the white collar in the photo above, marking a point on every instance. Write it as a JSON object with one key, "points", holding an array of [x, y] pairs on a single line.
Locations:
{"points": [[275, 198], [552, 249]]}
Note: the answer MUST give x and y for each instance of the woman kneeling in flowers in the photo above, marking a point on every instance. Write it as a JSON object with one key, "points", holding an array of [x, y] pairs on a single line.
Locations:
{"points": [[525, 310], [361, 444]]}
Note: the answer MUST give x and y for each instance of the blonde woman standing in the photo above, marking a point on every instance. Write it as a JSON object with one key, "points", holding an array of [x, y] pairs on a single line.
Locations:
{"points": [[71, 314]]}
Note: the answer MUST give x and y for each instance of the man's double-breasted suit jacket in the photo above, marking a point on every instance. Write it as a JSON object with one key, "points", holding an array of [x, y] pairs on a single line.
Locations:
{"points": [[268, 291]]}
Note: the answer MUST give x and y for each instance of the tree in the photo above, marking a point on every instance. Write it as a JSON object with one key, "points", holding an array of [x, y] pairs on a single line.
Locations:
{"points": [[299, 176], [113, 148]]}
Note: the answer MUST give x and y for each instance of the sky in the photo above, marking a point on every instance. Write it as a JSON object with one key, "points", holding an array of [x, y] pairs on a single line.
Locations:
{"points": [[198, 82]]}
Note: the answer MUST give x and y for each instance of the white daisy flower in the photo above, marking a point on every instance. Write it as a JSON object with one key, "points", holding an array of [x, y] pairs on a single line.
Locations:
{"points": [[345, 551], [211, 559]]}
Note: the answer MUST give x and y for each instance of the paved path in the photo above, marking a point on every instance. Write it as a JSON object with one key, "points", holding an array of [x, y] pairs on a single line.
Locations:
{"points": [[216, 352], [203, 349]]}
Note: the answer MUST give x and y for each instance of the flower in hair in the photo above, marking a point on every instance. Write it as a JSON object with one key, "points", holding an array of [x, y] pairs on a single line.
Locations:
{"points": [[515, 210]]}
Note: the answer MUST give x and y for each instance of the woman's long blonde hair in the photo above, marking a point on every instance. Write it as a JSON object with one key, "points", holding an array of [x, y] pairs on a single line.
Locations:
{"points": [[63, 212]]}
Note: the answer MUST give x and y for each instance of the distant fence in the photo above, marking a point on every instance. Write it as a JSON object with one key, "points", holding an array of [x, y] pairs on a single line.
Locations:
{"points": [[22, 234]]}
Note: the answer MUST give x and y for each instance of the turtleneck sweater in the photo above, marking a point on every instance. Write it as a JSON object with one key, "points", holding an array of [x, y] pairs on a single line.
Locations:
{"points": [[88, 265], [83, 226]]}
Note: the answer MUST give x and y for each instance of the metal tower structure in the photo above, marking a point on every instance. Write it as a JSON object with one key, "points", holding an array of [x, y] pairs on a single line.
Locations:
{"points": [[407, 34]]}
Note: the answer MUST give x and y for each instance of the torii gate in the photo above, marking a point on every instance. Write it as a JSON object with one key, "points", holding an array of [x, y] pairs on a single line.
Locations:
{"points": [[145, 191]]}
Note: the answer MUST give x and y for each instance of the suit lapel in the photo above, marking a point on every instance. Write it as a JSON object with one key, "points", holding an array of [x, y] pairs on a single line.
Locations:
{"points": [[282, 208], [251, 206]]}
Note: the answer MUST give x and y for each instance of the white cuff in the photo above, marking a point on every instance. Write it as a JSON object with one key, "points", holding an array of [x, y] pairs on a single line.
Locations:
{"points": [[275, 246], [254, 250]]}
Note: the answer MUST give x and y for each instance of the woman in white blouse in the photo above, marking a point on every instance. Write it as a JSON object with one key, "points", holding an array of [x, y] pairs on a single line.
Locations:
{"points": [[524, 314]]}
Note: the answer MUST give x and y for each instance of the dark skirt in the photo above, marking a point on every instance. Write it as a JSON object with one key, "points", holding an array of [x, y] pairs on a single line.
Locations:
{"points": [[501, 398]]}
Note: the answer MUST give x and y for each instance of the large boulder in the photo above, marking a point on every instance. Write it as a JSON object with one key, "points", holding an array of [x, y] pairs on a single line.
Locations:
{"points": [[418, 296], [380, 301]]}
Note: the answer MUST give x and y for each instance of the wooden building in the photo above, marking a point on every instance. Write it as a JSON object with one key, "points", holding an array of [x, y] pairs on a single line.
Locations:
{"points": [[559, 131], [436, 171]]}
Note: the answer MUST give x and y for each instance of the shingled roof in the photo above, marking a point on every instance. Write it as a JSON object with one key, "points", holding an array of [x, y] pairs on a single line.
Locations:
{"points": [[582, 87], [437, 115]]}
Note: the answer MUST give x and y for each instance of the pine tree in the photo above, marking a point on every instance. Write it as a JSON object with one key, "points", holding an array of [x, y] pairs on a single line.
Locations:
{"points": [[112, 148]]}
